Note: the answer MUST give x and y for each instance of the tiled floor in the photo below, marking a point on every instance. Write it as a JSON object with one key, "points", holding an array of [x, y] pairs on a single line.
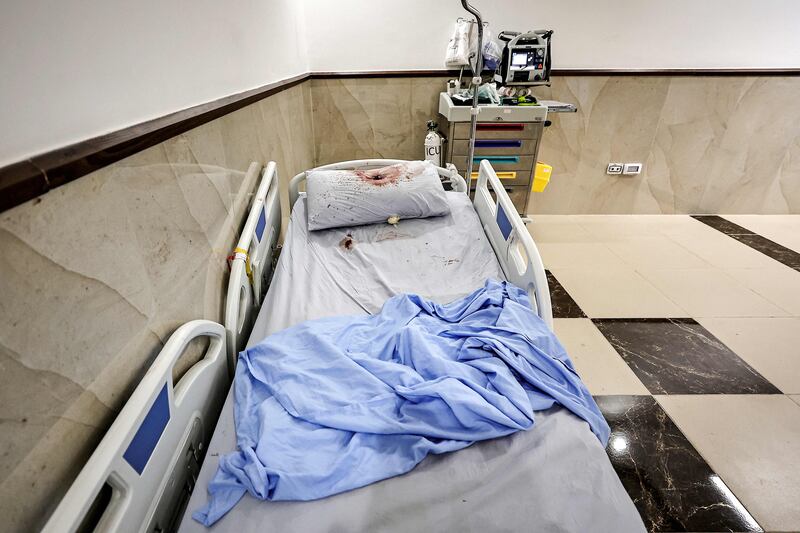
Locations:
{"points": [[687, 331]]}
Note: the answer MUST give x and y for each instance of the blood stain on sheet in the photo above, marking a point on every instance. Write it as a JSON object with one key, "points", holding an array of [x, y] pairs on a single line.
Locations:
{"points": [[347, 243]]}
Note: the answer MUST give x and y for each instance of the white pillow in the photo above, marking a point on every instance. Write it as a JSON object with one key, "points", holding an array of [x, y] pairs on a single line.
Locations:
{"points": [[342, 198]]}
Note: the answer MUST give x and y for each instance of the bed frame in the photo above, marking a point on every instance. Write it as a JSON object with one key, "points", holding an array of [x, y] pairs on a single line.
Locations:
{"points": [[512, 244], [141, 475]]}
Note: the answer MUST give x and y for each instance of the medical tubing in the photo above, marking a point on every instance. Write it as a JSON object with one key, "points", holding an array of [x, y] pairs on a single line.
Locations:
{"points": [[475, 85]]}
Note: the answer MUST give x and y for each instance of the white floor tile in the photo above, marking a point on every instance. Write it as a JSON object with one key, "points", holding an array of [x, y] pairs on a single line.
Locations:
{"points": [[778, 284], [753, 443], [616, 293], [710, 293], [770, 345], [783, 229], [601, 368], [558, 230], [722, 251], [578, 255], [656, 252]]}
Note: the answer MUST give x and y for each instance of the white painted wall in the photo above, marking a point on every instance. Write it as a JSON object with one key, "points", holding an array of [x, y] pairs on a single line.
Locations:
{"points": [[74, 69], [630, 34]]}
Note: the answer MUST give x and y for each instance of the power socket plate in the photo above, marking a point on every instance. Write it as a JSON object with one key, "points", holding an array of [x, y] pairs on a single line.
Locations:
{"points": [[614, 168]]}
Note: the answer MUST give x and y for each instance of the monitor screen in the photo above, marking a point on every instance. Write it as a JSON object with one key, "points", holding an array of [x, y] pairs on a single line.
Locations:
{"points": [[519, 59]]}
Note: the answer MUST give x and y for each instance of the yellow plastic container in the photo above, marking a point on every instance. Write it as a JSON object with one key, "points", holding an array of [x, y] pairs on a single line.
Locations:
{"points": [[541, 177]]}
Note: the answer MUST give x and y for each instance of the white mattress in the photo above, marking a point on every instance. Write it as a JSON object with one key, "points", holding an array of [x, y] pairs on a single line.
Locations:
{"points": [[555, 477]]}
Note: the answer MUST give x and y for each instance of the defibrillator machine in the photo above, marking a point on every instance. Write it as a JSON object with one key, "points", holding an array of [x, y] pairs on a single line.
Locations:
{"points": [[526, 57]]}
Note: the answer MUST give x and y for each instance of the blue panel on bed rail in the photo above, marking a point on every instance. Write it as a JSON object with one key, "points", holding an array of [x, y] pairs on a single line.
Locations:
{"points": [[503, 222], [498, 143], [262, 223], [144, 442]]}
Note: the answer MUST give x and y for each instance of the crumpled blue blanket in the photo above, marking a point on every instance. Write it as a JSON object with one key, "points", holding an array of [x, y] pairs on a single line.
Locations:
{"points": [[337, 403]]}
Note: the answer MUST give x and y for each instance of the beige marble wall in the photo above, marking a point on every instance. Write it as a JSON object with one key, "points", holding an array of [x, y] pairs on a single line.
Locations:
{"points": [[709, 144], [95, 276], [372, 117]]}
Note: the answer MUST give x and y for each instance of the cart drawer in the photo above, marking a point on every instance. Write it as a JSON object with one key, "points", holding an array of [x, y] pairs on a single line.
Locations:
{"points": [[498, 130], [496, 147], [498, 162]]}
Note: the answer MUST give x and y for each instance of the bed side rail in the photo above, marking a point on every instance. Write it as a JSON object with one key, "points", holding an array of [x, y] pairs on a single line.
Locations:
{"points": [[251, 266], [513, 245], [141, 474], [449, 175]]}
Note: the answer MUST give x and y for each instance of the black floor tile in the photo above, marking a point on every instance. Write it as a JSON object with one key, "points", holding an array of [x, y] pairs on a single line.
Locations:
{"points": [[772, 249], [679, 356], [671, 485], [725, 226], [563, 304], [757, 242]]}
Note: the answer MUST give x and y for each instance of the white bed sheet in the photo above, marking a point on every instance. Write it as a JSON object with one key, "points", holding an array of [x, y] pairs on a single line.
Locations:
{"points": [[555, 477], [355, 270]]}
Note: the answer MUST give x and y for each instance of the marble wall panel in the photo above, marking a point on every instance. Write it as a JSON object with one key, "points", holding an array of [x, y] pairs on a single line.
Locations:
{"points": [[362, 118], [96, 274], [727, 144]]}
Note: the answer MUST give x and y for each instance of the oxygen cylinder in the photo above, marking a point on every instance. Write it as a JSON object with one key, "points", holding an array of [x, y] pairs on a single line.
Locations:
{"points": [[433, 144]]}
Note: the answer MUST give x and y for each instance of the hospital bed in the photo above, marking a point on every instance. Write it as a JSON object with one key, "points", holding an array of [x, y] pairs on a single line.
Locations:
{"points": [[169, 436]]}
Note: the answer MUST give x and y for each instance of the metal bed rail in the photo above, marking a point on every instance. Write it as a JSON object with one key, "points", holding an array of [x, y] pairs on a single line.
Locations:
{"points": [[141, 474]]}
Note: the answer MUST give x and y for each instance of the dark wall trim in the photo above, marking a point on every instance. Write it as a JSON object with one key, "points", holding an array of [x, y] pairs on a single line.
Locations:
{"points": [[25, 180], [564, 72]]}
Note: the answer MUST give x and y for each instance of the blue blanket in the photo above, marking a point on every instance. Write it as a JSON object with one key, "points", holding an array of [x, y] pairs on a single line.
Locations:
{"points": [[334, 404]]}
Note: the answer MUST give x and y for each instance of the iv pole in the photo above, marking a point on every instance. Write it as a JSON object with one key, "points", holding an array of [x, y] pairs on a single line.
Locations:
{"points": [[476, 82]]}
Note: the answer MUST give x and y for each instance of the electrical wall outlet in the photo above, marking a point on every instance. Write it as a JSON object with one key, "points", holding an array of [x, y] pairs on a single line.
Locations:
{"points": [[614, 168], [632, 168]]}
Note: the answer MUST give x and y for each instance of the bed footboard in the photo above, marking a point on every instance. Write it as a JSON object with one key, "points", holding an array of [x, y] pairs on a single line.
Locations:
{"points": [[140, 476], [513, 245], [251, 266]]}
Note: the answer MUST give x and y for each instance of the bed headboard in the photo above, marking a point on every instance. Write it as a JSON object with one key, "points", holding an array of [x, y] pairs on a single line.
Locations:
{"points": [[513, 245], [449, 174], [252, 258], [141, 474]]}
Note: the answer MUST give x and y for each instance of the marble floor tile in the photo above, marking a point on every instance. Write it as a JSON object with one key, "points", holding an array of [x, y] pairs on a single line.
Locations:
{"points": [[656, 252], [563, 304], [771, 249], [679, 356], [599, 365], [783, 229], [615, 293], [780, 285], [709, 292], [557, 228], [670, 483], [753, 443], [770, 345], [721, 251], [578, 255], [720, 224], [757, 242], [611, 228]]}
